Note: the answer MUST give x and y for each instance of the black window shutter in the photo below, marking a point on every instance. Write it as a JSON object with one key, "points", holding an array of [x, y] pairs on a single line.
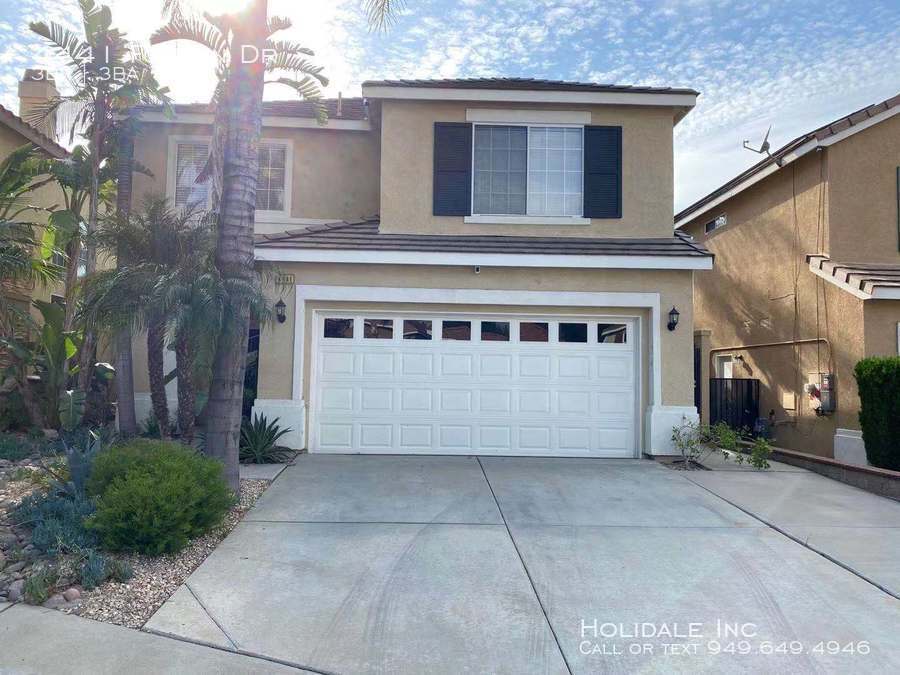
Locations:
{"points": [[452, 169], [603, 172]]}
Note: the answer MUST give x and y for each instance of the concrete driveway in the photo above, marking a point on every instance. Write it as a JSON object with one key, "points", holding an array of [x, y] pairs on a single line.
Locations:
{"points": [[361, 564]]}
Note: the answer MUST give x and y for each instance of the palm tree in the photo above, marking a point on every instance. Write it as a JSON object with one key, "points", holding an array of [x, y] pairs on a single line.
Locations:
{"points": [[110, 76], [21, 173]]}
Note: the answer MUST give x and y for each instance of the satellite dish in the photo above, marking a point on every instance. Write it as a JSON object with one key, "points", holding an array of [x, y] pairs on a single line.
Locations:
{"points": [[764, 148]]}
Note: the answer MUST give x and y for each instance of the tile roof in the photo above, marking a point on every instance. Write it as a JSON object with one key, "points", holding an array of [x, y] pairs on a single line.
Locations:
{"points": [[820, 134], [525, 84], [869, 279], [351, 108], [35, 136], [365, 236]]}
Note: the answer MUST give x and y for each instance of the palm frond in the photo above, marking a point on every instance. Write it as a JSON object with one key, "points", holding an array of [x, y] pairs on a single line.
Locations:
{"points": [[382, 13], [192, 29]]}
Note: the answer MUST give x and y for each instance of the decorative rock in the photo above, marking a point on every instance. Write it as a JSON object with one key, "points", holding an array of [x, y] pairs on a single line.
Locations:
{"points": [[8, 539], [2, 560], [51, 434], [15, 567], [72, 594], [16, 588], [54, 601]]}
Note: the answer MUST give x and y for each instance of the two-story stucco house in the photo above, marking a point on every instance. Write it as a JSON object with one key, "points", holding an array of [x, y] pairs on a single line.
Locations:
{"points": [[476, 266], [807, 276]]}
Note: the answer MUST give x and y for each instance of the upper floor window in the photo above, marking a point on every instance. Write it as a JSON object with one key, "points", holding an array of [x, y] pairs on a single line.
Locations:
{"points": [[715, 224], [271, 191], [528, 170], [190, 159]]}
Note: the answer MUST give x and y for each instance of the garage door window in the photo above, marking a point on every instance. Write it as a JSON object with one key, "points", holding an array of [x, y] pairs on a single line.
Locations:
{"points": [[379, 329], [339, 328], [612, 333], [456, 330], [495, 331], [534, 331], [416, 329], [573, 332]]}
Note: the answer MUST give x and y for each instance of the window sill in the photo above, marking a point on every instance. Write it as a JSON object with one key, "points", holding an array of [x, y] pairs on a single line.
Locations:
{"points": [[527, 220]]}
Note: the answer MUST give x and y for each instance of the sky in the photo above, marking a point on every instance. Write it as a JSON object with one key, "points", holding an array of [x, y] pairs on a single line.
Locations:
{"points": [[791, 64]]}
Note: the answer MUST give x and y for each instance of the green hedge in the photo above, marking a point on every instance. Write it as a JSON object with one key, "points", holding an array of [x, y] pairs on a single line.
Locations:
{"points": [[155, 496], [878, 380]]}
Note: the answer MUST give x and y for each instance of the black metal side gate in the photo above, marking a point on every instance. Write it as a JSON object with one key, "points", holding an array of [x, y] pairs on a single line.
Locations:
{"points": [[734, 401]]}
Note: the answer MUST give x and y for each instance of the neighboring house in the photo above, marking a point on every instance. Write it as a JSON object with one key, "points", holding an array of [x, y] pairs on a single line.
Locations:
{"points": [[807, 276], [14, 133], [473, 266]]}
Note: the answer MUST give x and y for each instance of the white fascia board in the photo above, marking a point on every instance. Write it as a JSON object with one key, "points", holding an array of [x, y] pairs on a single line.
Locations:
{"points": [[844, 286], [787, 159], [885, 293], [531, 96], [267, 121], [647, 262]]}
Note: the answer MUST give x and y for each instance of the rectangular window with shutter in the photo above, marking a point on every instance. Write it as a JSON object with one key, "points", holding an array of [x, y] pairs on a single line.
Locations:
{"points": [[528, 170]]}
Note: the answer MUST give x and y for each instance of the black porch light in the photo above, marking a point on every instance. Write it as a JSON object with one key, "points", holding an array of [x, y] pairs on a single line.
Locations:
{"points": [[673, 318], [280, 308]]}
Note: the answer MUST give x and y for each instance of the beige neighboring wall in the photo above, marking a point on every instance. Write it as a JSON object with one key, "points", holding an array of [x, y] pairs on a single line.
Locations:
{"points": [[335, 172], [674, 286], [761, 291], [882, 324], [407, 142], [862, 175]]}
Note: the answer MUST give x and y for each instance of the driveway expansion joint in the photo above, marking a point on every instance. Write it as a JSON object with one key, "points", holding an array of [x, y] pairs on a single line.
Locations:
{"points": [[537, 597], [800, 541], [211, 617]]}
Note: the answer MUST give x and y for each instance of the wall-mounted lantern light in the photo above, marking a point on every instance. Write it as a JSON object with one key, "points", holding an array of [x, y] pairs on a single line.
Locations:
{"points": [[673, 318], [280, 314]]}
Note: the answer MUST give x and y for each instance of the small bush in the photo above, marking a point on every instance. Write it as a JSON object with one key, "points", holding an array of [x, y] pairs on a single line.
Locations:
{"points": [[878, 381], [94, 570], [57, 522], [119, 571], [15, 448], [39, 585], [155, 496], [259, 440]]}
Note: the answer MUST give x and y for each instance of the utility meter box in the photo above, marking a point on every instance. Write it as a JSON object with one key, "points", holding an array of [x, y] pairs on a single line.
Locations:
{"points": [[820, 392]]}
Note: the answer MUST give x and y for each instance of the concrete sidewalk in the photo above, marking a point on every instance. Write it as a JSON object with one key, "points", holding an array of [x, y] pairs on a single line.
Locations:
{"points": [[46, 641]]}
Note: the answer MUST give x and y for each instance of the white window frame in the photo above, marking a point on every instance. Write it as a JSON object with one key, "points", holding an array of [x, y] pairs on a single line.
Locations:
{"points": [[172, 165], [288, 144], [715, 223], [525, 219]]}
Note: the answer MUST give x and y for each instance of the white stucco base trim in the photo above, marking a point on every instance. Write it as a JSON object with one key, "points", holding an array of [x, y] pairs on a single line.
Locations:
{"points": [[660, 420], [849, 447], [290, 413]]}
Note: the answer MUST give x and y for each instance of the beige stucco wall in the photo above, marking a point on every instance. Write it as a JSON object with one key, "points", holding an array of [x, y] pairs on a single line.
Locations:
{"points": [[335, 172], [277, 340], [407, 165], [862, 174], [882, 318], [761, 291]]}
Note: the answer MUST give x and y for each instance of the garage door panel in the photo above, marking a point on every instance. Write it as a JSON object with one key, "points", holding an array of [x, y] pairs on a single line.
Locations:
{"points": [[461, 396]]}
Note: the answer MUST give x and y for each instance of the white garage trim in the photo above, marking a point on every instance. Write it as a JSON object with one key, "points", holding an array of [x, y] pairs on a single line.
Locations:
{"points": [[658, 418]]}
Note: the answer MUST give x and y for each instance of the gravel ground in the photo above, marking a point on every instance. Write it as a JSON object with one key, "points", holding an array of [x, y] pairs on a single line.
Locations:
{"points": [[155, 579]]}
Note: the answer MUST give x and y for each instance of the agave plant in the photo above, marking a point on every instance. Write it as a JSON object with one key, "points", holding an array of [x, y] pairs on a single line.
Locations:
{"points": [[259, 440]]}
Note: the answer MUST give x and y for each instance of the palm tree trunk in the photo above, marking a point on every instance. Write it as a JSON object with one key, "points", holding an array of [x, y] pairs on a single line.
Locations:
{"points": [[124, 365], [184, 366], [234, 245], [73, 253], [156, 343]]}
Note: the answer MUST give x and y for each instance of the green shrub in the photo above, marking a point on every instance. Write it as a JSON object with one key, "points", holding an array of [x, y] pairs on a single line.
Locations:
{"points": [[119, 571], [878, 381], [155, 496], [15, 448], [94, 570], [259, 440], [40, 584], [57, 522]]}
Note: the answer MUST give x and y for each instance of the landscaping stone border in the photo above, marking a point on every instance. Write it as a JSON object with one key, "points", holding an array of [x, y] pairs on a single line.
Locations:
{"points": [[883, 482]]}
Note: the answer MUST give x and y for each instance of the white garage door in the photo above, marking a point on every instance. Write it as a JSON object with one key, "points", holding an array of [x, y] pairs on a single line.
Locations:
{"points": [[416, 383]]}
